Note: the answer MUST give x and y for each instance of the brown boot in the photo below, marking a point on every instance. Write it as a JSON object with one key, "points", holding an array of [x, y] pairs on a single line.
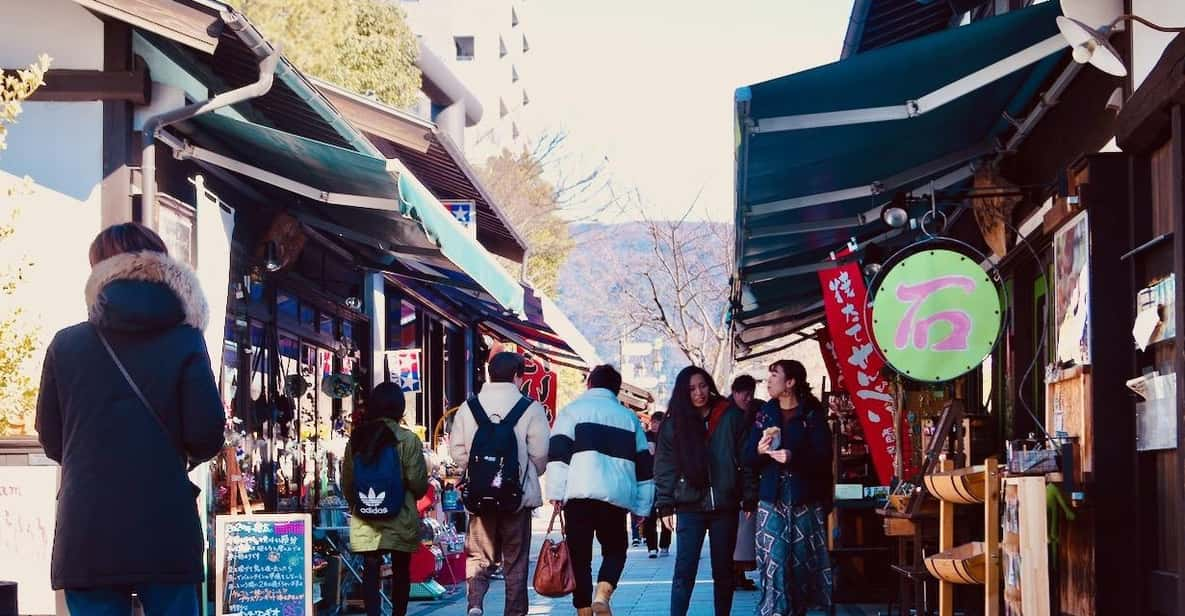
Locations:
{"points": [[600, 605], [584, 611]]}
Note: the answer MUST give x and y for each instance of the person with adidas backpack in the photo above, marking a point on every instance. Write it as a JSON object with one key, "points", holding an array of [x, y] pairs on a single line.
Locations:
{"points": [[499, 442], [383, 475]]}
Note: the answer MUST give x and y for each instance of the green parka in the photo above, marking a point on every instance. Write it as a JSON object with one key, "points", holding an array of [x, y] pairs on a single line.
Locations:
{"points": [[402, 532]]}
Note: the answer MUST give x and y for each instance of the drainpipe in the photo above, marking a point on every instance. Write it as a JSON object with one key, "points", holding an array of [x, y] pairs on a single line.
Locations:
{"points": [[268, 56], [522, 277]]}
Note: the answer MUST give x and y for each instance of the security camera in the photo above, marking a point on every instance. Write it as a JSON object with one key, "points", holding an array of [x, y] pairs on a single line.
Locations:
{"points": [[1115, 101]]}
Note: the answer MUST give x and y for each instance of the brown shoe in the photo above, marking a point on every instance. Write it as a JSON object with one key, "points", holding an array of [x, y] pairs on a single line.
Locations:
{"points": [[600, 604]]}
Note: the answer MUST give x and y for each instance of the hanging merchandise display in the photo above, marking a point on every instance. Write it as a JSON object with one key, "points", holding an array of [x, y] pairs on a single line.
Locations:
{"points": [[844, 296], [936, 314]]}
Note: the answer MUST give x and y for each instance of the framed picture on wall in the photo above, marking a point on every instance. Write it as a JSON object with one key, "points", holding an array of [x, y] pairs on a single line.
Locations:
{"points": [[1071, 276]]}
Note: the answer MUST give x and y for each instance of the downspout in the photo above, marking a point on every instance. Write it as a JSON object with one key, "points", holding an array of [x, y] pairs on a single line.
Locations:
{"points": [[522, 277], [269, 58]]}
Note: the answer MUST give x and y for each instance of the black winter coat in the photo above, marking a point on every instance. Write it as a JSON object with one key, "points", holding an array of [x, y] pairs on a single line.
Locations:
{"points": [[730, 485], [808, 471], [127, 513]]}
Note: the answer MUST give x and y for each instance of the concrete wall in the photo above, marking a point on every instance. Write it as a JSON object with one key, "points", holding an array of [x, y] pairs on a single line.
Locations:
{"points": [[59, 147], [1148, 44]]}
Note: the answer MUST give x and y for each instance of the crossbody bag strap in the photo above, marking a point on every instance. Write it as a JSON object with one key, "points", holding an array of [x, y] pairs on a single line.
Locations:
{"points": [[143, 399]]}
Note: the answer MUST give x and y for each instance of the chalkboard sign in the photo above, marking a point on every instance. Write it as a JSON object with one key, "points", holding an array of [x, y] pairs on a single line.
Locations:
{"points": [[264, 565]]}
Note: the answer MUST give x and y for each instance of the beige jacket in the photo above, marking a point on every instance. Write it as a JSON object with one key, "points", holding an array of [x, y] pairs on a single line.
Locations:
{"points": [[532, 430]]}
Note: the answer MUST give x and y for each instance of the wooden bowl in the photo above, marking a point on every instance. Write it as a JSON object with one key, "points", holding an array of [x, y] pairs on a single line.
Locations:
{"points": [[964, 486], [965, 564]]}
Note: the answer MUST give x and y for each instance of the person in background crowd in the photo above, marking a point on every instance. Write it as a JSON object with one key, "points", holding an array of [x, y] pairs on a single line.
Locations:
{"points": [[600, 469], [657, 532], [636, 521], [398, 535], [791, 448], [127, 403], [493, 533], [745, 556], [697, 477]]}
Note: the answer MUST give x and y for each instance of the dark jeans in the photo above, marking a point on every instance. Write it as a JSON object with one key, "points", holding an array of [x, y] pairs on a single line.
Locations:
{"points": [[584, 519], [689, 534], [372, 583], [657, 535], [157, 599], [635, 528]]}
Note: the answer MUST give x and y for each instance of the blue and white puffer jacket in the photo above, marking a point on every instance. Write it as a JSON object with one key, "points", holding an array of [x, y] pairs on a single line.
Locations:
{"points": [[599, 451]]}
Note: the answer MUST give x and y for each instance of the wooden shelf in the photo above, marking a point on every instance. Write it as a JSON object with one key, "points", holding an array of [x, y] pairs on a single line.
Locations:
{"points": [[977, 562]]}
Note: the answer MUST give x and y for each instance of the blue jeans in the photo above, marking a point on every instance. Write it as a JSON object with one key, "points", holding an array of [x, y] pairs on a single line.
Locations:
{"points": [[689, 541], [157, 599]]}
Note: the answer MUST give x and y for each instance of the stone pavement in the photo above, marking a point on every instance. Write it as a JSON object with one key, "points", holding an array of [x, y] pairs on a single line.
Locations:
{"points": [[644, 591]]}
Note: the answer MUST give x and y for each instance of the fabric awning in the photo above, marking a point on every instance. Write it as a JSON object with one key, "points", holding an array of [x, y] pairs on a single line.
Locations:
{"points": [[456, 243], [820, 152], [382, 191]]}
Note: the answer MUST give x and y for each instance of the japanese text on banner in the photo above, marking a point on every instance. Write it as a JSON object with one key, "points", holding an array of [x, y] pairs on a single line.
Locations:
{"points": [[844, 297]]}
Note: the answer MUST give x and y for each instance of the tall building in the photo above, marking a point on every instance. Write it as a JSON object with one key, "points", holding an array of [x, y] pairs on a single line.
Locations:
{"points": [[485, 44]]}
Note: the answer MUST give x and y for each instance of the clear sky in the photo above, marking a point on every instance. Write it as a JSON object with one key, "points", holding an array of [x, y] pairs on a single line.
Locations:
{"points": [[649, 83]]}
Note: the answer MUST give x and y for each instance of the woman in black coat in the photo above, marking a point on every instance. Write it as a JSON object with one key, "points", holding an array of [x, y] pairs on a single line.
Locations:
{"points": [[790, 446], [127, 517]]}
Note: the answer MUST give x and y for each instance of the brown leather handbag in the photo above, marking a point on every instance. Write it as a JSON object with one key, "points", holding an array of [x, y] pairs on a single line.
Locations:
{"points": [[553, 570]]}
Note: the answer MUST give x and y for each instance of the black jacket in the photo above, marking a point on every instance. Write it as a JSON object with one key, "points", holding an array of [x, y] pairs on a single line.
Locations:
{"points": [[127, 513], [808, 439], [731, 486]]}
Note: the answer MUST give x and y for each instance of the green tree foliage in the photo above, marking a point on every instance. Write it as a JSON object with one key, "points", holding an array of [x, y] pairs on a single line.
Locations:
{"points": [[18, 346], [18, 335], [15, 87], [360, 45], [531, 204]]}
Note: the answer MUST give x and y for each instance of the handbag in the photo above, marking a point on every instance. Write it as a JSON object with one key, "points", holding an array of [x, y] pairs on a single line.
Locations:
{"points": [[184, 458], [553, 571]]}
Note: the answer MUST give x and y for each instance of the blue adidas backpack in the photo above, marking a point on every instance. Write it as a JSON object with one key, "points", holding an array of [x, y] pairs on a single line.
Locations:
{"points": [[378, 482]]}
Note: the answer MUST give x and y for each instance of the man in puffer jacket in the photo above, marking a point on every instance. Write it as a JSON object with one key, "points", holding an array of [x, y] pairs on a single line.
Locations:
{"points": [[600, 470]]}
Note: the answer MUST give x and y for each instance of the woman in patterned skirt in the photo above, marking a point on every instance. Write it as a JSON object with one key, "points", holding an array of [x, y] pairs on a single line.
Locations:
{"points": [[790, 447]]}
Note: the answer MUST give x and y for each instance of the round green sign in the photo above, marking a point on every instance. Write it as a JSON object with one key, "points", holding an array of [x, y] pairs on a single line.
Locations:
{"points": [[936, 315]]}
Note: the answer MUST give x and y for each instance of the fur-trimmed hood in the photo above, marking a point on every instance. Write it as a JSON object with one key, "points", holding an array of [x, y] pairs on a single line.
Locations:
{"points": [[151, 267]]}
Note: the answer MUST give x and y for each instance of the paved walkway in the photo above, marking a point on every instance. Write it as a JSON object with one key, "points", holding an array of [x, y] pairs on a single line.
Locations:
{"points": [[644, 591]]}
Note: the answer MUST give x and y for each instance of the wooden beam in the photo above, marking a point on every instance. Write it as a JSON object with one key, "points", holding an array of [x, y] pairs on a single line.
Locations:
{"points": [[188, 25], [117, 130], [72, 86]]}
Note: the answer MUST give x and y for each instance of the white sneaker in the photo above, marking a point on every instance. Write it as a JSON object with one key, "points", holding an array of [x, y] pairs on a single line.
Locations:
{"points": [[475, 611], [653, 553]]}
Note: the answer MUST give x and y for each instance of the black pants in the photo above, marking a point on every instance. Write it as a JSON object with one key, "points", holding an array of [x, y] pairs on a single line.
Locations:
{"points": [[586, 518], [721, 527], [372, 583], [657, 535]]}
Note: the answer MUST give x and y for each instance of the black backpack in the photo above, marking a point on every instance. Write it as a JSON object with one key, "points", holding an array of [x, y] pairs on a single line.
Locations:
{"points": [[493, 483]]}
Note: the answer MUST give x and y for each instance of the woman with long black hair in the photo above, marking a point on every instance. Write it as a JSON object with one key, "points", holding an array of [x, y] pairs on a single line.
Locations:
{"points": [[374, 440], [698, 477], [790, 446]]}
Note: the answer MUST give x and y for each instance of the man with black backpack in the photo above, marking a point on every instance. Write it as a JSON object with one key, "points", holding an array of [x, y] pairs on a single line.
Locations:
{"points": [[499, 442]]}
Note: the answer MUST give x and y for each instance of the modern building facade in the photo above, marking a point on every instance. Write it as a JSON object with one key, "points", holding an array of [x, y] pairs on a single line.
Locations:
{"points": [[485, 43]]}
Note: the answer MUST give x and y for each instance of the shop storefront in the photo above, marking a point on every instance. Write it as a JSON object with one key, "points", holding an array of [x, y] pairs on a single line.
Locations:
{"points": [[998, 160]]}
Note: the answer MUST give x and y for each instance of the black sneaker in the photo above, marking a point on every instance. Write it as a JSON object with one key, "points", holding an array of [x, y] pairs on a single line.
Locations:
{"points": [[653, 553]]}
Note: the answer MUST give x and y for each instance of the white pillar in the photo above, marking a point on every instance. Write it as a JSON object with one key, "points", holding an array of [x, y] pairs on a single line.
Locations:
{"points": [[376, 309]]}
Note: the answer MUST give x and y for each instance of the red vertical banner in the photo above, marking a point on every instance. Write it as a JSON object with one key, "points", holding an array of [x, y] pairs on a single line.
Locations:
{"points": [[831, 359], [844, 297], [541, 384]]}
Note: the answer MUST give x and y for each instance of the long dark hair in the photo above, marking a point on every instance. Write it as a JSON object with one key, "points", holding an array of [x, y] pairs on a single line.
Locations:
{"points": [[691, 456], [386, 401], [792, 369]]}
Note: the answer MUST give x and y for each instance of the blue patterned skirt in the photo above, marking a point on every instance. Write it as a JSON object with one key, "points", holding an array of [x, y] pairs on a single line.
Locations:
{"points": [[792, 557]]}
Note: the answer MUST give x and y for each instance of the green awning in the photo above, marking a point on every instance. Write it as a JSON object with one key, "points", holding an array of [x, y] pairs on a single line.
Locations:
{"points": [[456, 243], [337, 176], [820, 152]]}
